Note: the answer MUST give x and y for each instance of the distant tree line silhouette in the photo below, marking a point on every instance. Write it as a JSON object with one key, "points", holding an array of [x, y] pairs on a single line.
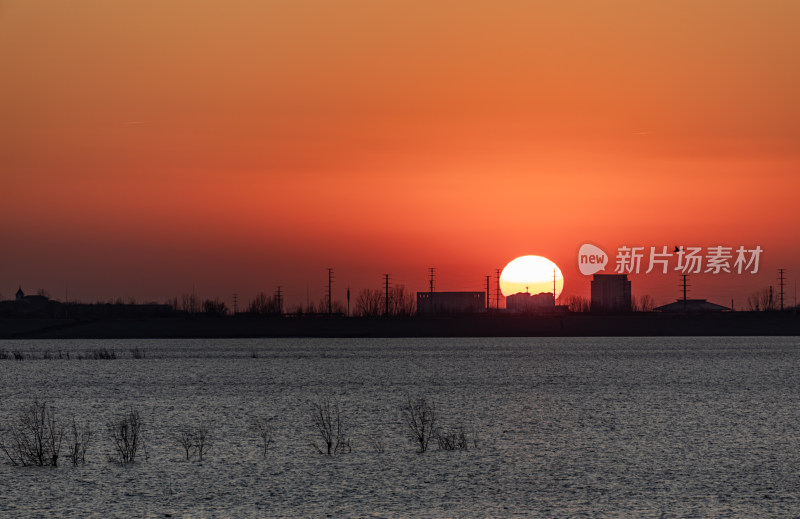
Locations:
{"points": [[372, 302], [763, 300], [262, 304]]}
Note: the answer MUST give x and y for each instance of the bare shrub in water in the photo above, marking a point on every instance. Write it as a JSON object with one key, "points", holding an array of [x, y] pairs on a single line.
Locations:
{"points": [[79, 439], [376, 442], [327, 418], [127, 436], [35, 438], [194, 441], [453, 440], [185, 439], [419, 415], [265, 432], [202, 442]]}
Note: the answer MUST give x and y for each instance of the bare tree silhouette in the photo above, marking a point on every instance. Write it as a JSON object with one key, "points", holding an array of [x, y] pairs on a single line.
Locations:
{"points": [[215, 308], [578, 304], [370, 302], [127, 436], [78, 442], [263, 428], [643, 303], [401, 302], [185, 439], [189, 303], [35, 438], [262, 304], [761, 301], [327, 418], [420, 417]]}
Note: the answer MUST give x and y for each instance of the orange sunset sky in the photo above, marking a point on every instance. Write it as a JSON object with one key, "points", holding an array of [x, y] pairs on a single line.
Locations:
{"points": [[148, 147]]}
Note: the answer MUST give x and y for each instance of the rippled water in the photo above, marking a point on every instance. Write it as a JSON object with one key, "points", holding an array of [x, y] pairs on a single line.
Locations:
{"points": [[631, 427]]}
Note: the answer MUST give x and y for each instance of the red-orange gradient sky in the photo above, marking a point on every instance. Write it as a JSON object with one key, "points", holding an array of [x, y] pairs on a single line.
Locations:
{"points": [[147, 146]]}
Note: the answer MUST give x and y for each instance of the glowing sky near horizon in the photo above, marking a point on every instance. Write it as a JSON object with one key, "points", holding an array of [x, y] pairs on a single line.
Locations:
{"points": [[150, 147]]}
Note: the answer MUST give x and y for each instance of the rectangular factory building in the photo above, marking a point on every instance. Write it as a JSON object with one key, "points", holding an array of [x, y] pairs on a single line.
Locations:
{"points": [[430, 303], [611, 293]]}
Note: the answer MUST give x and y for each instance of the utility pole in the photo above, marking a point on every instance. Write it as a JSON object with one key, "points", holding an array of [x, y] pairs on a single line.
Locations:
{"points": [[432, 272], [554, 287], [386, 297], [330, 286], [497, 290], [685, 285], [235, 306], [781, 279], [488, 306], [279, 299], [348, 301]]}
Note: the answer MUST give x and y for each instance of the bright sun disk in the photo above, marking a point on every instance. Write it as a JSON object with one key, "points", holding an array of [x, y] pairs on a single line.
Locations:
{"points": [[533, 274]]}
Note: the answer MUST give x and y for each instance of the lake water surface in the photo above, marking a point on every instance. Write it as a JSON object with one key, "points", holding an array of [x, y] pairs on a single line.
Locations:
{"points": [[566, 427]]}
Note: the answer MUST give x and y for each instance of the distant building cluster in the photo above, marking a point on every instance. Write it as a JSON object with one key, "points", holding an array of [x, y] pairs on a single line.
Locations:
{"points": [[525, 302]]}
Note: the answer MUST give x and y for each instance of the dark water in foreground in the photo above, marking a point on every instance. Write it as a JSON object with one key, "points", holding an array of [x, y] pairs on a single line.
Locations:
{"points": [[619, 427]]}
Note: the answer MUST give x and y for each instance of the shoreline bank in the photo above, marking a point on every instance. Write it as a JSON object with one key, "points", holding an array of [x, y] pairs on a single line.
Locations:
{"points": [[569, 325]]}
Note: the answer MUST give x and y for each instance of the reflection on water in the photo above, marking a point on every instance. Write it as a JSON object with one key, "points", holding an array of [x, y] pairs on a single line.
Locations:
{"points": [[634, 427]]}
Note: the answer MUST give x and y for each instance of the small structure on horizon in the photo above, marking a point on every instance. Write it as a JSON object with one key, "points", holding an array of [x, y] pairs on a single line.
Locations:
{"points": [[611, 293], [693, 306], [430, 303], [37, 299], [25, 305], [41, 306], [527, 302]]}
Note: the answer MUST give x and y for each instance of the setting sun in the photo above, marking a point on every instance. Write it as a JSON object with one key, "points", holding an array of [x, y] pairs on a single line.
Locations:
{"points": [[532, 274]]}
